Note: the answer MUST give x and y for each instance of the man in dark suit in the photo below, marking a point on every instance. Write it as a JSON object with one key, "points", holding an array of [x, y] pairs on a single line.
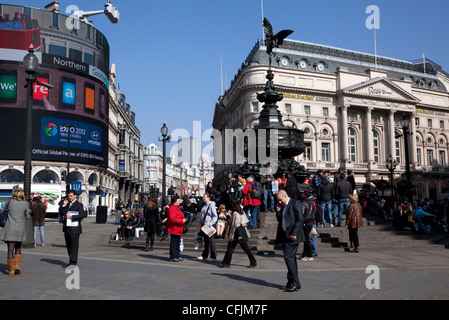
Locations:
{"points": [[290, 233], [70, 206]]}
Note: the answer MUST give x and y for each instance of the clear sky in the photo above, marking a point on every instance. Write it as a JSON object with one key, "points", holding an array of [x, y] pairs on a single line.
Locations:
{"points": [[168, 52]]}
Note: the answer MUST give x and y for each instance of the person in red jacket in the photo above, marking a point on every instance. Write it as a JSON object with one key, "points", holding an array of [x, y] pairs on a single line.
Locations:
{"points": [[250, 204], [175, 227]]}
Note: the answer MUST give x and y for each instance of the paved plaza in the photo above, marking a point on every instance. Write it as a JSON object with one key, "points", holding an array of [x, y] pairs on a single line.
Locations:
{"points": [[113, 273]]}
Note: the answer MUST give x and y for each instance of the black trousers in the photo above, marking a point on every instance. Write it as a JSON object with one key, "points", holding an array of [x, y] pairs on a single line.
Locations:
{"points": [[230, 250], [307, 251], [354, 236], [291, 262], [174, 246], [209, 246], [72, 241]]}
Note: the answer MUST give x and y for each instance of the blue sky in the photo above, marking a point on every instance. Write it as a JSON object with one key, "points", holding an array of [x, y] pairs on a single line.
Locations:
{"points": [[168, 52]]}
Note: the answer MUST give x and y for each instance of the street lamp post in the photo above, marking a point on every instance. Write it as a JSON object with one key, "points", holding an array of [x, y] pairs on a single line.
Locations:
{"points": [[391, 166], [31, 63], [165, 138], [405, 123]]}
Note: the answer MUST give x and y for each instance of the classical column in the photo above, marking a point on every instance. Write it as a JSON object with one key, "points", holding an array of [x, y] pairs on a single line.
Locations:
{"points": [[369, 136], [392, 134], [344, 136]]}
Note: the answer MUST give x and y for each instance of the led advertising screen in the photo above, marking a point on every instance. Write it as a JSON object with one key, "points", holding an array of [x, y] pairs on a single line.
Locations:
{"points": [[77, 100], [77, 69]]}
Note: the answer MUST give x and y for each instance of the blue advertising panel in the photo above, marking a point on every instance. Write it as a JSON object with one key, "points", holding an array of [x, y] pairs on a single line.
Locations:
{"points": [[83, 135], [77, 186]]}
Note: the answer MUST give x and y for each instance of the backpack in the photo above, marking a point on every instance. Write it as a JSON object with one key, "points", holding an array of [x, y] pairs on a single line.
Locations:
{"points": [[256, 190], [318, 212]]}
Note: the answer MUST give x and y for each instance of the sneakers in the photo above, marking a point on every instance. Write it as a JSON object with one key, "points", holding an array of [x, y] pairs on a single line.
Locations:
{"points": [[306, 259], [208, 259]]}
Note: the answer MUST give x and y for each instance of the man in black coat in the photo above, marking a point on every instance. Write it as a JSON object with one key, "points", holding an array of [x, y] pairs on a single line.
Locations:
{"points": [[290, 233], [73, 213]]}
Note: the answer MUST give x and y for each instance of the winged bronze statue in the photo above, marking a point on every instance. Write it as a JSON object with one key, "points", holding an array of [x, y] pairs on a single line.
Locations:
{"points": [[274, 41]]}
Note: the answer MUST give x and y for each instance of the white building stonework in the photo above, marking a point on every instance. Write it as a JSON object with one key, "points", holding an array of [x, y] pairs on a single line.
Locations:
{"points": [[350, 112]]}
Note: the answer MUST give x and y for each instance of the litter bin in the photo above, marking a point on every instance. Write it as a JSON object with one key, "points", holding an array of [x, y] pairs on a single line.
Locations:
{"points": [[102, 214]]}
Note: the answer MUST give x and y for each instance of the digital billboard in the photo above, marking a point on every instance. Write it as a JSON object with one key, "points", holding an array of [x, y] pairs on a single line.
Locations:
{"points": [[79, 98]]}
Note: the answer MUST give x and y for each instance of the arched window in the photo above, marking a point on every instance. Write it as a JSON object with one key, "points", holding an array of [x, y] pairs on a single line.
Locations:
{"points": [[352, 145], [46, 176], [376, 146], [76, 176], [93, 179], [11, 176]]}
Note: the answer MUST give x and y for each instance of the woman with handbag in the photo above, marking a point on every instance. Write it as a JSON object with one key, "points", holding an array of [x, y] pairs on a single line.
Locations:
{"points": [[238, 234], [14, 232], [175, 227], [208, 217]]}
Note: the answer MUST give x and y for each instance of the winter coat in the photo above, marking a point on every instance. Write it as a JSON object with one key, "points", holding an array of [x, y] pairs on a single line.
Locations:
{"points": [[325, 191], [247, 200], [15, 230], [39, 211], [175, 221], [354, 217], [151, 219]]}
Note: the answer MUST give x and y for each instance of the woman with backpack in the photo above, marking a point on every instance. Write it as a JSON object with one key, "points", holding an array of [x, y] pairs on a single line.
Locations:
{"points": [[251, 201]]}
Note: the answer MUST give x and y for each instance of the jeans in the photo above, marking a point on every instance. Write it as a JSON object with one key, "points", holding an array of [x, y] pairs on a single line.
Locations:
{"points": [[254, 213], [327, 207], [41, 231], [268, 195], [313, 243], [343, 205]]}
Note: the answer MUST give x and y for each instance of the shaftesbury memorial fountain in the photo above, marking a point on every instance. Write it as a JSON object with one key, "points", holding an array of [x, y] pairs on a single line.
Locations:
{"points": [[288, 141]]}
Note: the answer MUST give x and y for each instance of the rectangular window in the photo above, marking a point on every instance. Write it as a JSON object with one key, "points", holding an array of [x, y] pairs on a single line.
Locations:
{"points": [[325, 112], [418, 156], [441, 124], [325, 152], [442, 158], [417, 121], [398, 150], [352, 116], [429, 157], [75, 54], [288, 108], [121, 139], [308, 151], [57, 50], [255, 107], [375, 118], [88, 58], [55, 20], [307, 110], [429, 123]]}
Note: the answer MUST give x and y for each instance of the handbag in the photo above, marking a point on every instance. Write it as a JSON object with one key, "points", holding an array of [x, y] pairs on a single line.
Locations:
{"points": [[313, 232], [198, 229], [4, 215]]}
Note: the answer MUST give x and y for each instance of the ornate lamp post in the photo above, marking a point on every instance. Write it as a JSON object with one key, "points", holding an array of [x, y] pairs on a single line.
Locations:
{"points": [[391, 166], [405, 123], [31, 63], [165, 138]]}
